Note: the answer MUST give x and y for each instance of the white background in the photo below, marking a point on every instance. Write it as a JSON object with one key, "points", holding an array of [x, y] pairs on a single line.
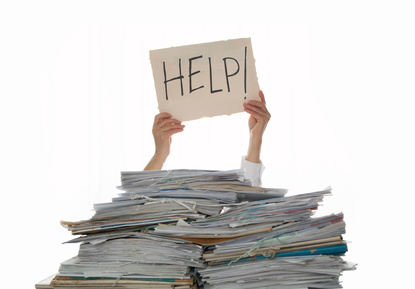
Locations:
{"points": [[78, 102]]}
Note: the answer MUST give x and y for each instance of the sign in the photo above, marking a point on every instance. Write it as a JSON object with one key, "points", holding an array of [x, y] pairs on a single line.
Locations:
{"points": [[204, 80]]}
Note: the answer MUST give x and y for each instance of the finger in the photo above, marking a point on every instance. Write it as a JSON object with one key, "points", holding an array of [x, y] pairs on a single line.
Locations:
{"points": [[166, 121], [260, 104], [257, 106], [161, 115], [163, 118], [261, 96], [257, 103], [258, 114], [173, 131], [169, 127], [258, 118]]}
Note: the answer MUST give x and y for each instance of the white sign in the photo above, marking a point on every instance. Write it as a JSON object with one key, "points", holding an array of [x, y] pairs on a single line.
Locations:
{"points": [[206, 79]]}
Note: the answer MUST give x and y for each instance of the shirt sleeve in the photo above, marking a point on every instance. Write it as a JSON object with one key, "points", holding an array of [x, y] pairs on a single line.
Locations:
{"points": [[253, 171]]}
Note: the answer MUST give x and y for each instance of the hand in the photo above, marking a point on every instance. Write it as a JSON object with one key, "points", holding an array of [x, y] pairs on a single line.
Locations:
{"points": [[257, 123], [259, 118], [163, 128]]}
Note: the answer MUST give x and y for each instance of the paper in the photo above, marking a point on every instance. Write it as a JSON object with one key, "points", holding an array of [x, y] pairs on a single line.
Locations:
{"points": [[205, 227], [206, 79]]}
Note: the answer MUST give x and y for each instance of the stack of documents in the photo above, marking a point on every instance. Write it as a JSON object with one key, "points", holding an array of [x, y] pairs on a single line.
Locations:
{"points": [[297, 250], [165, 197], [301, 272], [138, 258], [295, 254], [118, 243], [204, 229]]}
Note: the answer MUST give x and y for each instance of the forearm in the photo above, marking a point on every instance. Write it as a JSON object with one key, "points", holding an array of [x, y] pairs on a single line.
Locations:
{"points": [[254, 150], [156, 163]]}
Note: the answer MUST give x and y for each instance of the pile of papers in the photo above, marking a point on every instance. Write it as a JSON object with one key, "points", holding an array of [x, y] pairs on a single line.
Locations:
{"points": [[299, 272], [204, 229]]}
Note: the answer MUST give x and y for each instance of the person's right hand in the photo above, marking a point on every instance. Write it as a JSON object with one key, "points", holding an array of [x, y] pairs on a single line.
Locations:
{"points": [[163, 128], [257, 123]]}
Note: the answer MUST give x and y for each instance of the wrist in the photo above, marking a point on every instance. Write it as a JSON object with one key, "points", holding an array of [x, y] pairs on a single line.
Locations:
{"points": [[156, 162], [255, 140], [254, 151], [160, 157]]}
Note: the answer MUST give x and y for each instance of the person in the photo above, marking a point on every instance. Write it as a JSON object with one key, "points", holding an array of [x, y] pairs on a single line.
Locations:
{"points": [[165, 126]]}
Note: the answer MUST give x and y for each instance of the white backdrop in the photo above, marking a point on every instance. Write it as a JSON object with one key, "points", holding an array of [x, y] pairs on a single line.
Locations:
{"points": [[78, 102]]}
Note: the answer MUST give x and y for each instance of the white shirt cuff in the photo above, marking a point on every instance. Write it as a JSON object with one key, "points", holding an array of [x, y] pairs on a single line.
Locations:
{"points": [[253, 171]]}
